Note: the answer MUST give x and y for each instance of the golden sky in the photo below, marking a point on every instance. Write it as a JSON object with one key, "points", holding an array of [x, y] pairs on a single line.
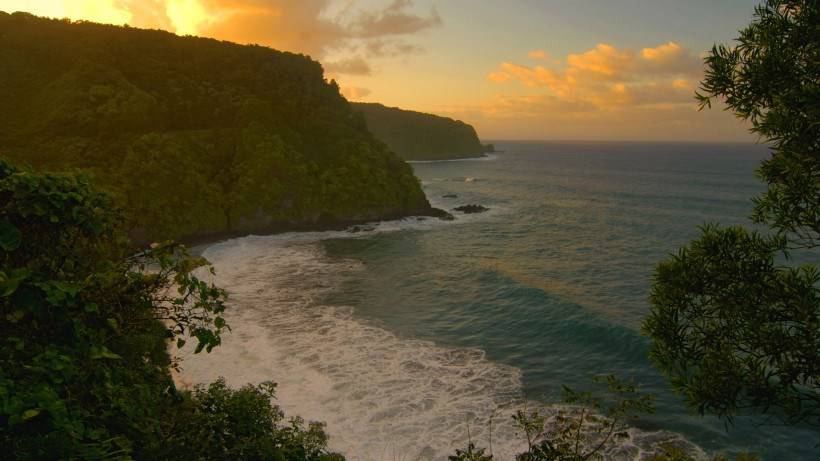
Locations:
{"points": [[515, 69]]}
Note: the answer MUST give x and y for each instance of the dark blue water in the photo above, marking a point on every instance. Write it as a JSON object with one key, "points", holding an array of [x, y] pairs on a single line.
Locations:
{"points": [[554, 279]]}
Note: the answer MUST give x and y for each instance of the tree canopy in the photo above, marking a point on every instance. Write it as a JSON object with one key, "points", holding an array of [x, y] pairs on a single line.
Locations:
{"points": [[735, 322]]}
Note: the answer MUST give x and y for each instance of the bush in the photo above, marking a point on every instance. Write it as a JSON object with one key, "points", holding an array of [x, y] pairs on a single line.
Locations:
{"points": [[84, 367]]}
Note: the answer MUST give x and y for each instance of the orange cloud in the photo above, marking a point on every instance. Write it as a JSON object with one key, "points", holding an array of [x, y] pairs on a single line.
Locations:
{"points": [[537, 54], [350, 66], [661, 52], [303, 26], [603, 59], [604, 78]]}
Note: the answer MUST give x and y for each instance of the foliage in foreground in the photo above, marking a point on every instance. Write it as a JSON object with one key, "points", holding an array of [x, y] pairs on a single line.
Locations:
{"points": [[589, 427], [735, 323], [218, 423], [84, 324]]}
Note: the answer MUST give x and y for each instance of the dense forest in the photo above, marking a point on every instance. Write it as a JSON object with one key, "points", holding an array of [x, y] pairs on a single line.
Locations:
{"points": [[420, 136], [193, 136]]}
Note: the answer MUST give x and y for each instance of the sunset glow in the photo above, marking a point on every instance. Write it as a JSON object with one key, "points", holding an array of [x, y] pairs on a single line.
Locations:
{"points": [[186, 16], [520, 76]]}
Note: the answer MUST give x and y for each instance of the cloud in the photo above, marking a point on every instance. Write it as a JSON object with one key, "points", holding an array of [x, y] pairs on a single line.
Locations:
{"points": [[534, 105], [292, 26], [350, 66], [603, 79], [306, 26], [381, 48], [538, 54], [315, 27], [393, 20], [148, 13]]}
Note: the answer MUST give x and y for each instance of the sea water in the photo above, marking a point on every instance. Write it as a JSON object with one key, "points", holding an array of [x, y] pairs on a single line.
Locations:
{"points": [[411, 338]]}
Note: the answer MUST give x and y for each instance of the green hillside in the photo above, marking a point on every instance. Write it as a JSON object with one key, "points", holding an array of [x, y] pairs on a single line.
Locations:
{"points": [[420, 136], [193, 136]]}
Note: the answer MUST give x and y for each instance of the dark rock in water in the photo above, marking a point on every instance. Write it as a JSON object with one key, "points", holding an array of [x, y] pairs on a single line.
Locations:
{"points": [[469, 209], [450, 196], [440, 214], [357, 229]]}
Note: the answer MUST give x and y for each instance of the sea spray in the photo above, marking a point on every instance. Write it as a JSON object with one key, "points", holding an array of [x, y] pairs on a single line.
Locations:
{"points": [[382, 397]]}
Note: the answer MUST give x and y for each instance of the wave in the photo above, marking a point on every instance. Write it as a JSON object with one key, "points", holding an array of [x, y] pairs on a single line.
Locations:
{"points": [[382, 396], [485, 158]]}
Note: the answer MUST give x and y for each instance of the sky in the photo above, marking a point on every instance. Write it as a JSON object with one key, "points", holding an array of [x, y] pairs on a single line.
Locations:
{"points": [[514, 69]]}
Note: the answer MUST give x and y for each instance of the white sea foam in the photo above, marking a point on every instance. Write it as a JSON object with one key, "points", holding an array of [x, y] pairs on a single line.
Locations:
{"points": [[485, 158], [383, 397]]}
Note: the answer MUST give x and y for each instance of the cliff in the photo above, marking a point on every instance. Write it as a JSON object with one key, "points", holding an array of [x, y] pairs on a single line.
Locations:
{"points": [[419, 136], [194, 136]]}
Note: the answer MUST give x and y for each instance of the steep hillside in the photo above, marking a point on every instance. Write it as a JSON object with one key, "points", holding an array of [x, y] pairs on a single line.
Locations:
{"points": [[194, 136], [420, 136]]}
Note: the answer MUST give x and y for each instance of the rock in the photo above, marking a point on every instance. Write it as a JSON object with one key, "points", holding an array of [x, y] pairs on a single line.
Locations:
{"points": [[450, 196], [357, 229], [440, 214], [469, 209]]}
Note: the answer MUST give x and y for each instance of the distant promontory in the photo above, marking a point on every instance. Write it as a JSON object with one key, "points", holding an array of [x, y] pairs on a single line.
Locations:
{"points": [[419, 136]]}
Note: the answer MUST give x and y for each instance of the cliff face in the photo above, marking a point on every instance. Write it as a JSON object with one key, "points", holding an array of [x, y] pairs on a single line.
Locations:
{"points": [[194, 136], [420, 136]]}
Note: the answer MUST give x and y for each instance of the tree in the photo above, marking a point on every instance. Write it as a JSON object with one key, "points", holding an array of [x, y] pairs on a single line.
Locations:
{"points": [[83, 366], [735, 324], [85, 323], [587, 428], [216, 422]]}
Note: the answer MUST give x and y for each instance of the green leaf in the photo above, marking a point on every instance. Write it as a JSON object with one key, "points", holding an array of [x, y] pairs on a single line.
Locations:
{"points": [[180, 343], [10, 282], [15, 315], [31, 413], [10, 236], [102, 352], [219, 322]]}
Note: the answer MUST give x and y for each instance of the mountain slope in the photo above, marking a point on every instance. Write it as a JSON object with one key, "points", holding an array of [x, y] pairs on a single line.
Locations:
{"points": [[420, 136], [194, 136]]}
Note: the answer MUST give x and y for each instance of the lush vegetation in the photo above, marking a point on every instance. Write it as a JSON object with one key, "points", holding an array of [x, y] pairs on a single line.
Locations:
{"points": [[193, 135], [735, 322], [589, 427], [84, 367], [419, 136]]}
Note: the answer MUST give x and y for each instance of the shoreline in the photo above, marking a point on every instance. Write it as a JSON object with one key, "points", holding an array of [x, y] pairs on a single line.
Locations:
{"points": [[483, 156], [208, 238], [342, 341]]}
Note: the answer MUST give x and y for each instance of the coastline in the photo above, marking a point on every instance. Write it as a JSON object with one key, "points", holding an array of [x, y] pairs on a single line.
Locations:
{"points": [[208, 238], [482, 156], [321, 355]]}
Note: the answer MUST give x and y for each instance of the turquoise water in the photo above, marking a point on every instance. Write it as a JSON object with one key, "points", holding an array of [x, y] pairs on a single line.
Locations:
{"points": [[557, 285], [402, 338]]}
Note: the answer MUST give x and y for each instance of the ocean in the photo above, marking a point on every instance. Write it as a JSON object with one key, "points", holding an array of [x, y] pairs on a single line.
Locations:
{"points": [[413, 336]]}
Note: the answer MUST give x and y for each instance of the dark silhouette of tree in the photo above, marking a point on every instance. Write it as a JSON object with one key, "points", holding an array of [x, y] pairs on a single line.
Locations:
{"points": [[735, 324]]}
